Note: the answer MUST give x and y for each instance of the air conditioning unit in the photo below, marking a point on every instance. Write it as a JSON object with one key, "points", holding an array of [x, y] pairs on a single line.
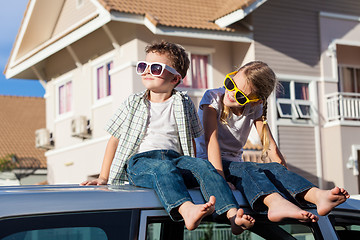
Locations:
{"points": [[80, 127], [43, 139]]}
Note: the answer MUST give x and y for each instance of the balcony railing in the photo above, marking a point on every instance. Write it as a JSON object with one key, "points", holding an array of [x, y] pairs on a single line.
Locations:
{"points": [[343, 106]]}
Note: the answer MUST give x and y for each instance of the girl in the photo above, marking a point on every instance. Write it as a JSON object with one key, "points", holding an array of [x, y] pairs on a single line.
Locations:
{"points": [[227, 114]]}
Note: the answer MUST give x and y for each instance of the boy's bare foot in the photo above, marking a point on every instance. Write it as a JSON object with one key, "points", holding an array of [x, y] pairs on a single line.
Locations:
{"points": [[326, 200], [240, 221], [280, 208], [194, 213]]}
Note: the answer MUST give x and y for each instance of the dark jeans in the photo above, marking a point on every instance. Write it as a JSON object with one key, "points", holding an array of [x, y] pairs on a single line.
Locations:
{"points": [[256, 180], [162, 170]]}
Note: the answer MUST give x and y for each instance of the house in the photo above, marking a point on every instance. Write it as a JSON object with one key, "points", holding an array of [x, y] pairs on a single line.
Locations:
{"points": [[84, 52], [20, 118]]}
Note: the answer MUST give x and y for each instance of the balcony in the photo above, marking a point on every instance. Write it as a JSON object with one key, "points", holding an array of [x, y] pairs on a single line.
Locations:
{"points": [[343, 108]]}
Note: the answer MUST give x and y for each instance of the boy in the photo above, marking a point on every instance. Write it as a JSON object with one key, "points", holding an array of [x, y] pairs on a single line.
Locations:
{"points": [[152, 141]]}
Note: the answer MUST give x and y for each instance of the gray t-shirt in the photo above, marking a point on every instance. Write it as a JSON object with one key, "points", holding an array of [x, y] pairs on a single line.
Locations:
{"points": [[232, 137]]}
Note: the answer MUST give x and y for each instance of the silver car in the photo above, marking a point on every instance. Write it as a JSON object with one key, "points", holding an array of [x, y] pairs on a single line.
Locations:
{"points": [[126, 212]]}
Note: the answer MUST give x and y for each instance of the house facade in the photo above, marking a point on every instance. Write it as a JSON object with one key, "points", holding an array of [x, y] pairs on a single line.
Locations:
{"points": [[85, 53]]}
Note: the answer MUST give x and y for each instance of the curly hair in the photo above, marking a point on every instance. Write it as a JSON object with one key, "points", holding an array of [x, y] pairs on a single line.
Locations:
{"points": [[176, 53]]}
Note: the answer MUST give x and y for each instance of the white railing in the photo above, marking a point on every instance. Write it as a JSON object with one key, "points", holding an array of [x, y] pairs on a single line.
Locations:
{"points": [[343, 106]]}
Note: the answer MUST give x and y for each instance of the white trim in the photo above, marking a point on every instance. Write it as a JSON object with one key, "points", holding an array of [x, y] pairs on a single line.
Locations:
{"points": [[342, 123], [122, 67], [339, 16], [113, 40], [344, 42], [17, 67], [23, 28], [295, 122], [294, 114], [238, 14], [182, 32], [297, 78], [199, 50], [329, 79], [49, 41], [63, 78], [127, 17], [76, 146], [204, 34], [74, 56]]}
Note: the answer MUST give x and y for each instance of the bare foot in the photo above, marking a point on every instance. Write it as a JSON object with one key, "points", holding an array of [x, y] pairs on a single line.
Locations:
{"points": [[193, 214], [326, 200], [240, 222], [280, 208]]}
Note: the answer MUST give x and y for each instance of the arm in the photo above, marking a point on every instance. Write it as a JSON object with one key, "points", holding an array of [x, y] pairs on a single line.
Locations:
{"points": [[274, 152], [211, 139], [105, 168]]}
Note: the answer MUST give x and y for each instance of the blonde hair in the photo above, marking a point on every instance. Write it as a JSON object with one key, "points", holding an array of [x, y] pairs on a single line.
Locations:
{"points": [[263, 81]]}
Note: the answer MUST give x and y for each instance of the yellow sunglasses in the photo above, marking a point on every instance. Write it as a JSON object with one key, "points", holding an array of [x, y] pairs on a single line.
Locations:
{"points": [[240, 97]]}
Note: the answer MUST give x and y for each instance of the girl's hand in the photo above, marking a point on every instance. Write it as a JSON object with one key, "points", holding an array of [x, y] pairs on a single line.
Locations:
{"points": [[232, 187]]}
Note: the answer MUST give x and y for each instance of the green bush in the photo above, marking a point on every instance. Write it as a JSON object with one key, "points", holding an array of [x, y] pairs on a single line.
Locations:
{"points": [[6, 163]]}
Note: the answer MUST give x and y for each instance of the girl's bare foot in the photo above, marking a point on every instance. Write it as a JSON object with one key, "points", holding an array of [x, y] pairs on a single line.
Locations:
{"points": [[193, 214], [240, 221], [280, 208], [326, 200]]}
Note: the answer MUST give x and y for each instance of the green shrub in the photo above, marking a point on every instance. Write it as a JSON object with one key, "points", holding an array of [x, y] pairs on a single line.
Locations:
{"points": [[6, 163]]}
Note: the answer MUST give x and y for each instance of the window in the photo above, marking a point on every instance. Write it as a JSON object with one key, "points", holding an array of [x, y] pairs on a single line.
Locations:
{"points": [[69, 233], [293, 100], [98, 225], [197, 76], [65, 97], [349, 79], [103, 80], [263, 229], [346, 225]]}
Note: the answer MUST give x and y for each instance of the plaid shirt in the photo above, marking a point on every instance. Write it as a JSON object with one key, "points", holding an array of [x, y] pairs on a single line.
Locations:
{"points": [[130, 122]]}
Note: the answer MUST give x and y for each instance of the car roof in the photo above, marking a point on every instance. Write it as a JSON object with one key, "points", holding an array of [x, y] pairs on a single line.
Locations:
{"points": [[40, 199]]}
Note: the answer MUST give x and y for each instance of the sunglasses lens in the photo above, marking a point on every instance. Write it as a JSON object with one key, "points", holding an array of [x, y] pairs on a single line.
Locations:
{"points": [[141, 67], [229, 84], [156, 69], [240, 98]]}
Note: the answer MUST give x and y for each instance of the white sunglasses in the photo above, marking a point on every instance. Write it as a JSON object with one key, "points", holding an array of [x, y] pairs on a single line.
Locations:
{"points": [[156, 68]]}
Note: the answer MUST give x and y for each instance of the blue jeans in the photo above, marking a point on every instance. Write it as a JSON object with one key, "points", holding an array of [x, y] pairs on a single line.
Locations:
{"points": [[161, 170], [256, 180]]}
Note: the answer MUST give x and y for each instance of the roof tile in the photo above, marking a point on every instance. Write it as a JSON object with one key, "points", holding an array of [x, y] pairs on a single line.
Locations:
{"points": [[198, 14], [19, 118]]}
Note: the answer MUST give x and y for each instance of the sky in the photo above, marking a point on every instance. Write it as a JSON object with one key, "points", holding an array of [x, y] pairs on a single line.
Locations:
{"points": [[11, 14]]}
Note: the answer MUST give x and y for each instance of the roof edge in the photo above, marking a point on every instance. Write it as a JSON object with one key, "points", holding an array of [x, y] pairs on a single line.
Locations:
{"points": [[238, 15], [158, 29]]}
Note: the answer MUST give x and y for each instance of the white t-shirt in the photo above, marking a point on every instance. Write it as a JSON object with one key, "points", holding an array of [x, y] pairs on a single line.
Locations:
{"points": [[162, 131], [232, 137]]}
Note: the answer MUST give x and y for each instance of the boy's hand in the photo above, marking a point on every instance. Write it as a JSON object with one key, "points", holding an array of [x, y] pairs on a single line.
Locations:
{"points": [[98, 181]]}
